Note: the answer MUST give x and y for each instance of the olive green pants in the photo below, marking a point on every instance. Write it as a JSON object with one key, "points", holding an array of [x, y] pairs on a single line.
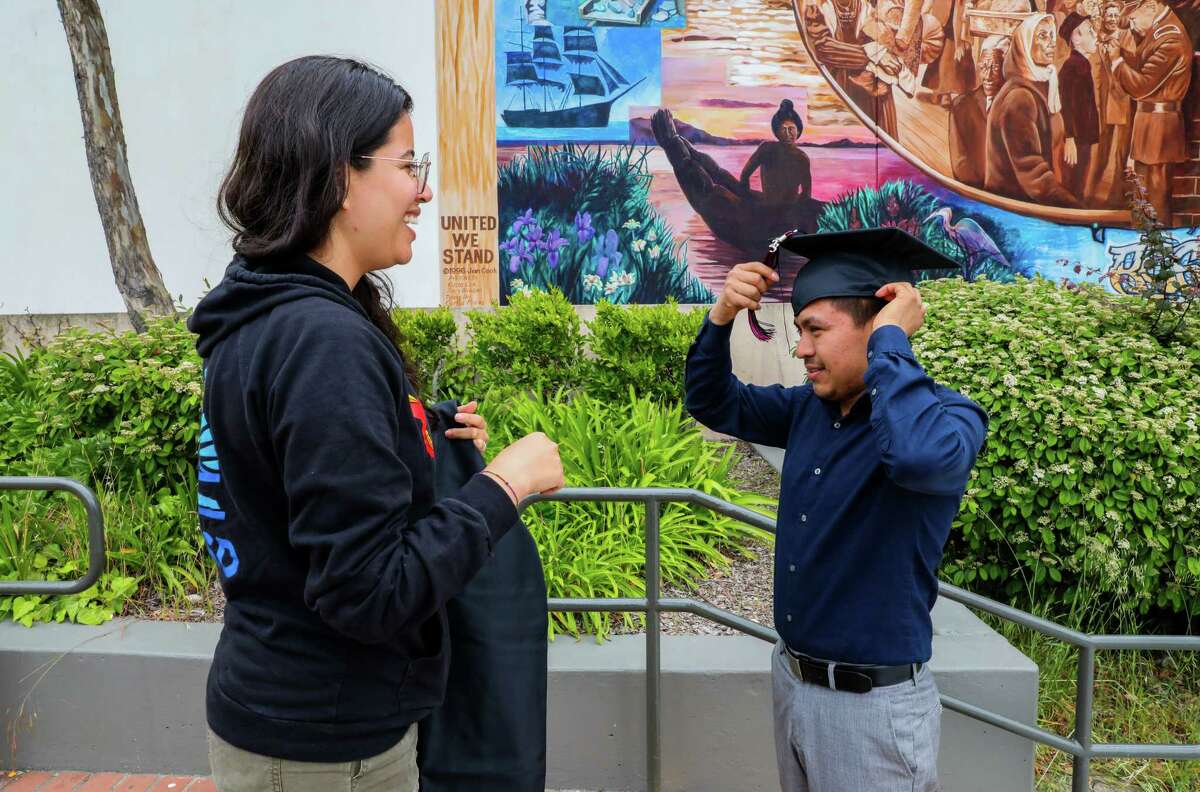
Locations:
{"points": [[236, 770]]}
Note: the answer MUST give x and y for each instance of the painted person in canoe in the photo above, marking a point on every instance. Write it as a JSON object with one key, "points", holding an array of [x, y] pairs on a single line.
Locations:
{"points": [[737, 214]]}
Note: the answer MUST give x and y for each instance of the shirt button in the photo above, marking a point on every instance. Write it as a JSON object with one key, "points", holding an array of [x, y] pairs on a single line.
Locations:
{"points": [[788, 617], [870, 355], [803, 518], [874, 391], [791, 567], [817, 472], [837, 426]]}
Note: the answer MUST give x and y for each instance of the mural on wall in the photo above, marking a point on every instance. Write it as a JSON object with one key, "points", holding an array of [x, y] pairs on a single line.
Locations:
{"points": [[569, 82], [1039, 107], [576, 212], [642, 13], [998, 131]]}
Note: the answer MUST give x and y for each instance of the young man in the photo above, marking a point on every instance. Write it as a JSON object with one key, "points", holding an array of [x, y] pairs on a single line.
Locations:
{"points": [[878, 456]]}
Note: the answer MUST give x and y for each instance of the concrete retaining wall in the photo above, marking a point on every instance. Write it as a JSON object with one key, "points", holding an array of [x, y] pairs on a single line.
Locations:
{"points": [[129, 696]]}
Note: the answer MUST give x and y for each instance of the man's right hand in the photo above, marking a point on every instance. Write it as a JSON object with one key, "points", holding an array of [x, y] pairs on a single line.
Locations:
{"points": [[744, 287]]}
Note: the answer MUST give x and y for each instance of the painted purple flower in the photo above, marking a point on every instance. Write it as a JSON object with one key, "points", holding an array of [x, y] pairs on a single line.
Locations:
{"points": [[517, 254], [520, 222], [534, 235], [553, 244], [608, 256], [583, 227]]}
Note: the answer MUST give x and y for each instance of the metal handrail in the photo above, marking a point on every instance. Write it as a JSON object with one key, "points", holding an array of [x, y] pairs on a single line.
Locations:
{"points": [[95, 521], [1080, 746]]}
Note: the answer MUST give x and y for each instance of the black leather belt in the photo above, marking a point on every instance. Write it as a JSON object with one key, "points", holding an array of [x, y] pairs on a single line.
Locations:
{"points": [[848, 676]]}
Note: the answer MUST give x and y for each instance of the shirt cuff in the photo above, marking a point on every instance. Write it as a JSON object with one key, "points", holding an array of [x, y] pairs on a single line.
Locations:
{"points": [[725, 330], [889, 338]]}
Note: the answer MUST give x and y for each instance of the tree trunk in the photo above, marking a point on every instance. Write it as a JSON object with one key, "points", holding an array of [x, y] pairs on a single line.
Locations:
{"points": [[137, 277]]}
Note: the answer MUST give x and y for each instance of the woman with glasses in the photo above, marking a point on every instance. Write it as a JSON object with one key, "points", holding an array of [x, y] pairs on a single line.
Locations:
{"points": [[316, 460]]}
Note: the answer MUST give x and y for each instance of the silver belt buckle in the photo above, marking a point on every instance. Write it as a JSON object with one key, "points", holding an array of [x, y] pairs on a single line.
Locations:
{"points": [[794, 665]]}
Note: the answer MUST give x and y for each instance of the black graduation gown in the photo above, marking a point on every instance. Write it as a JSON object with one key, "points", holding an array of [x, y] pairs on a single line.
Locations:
{"points": [[490, 733]]}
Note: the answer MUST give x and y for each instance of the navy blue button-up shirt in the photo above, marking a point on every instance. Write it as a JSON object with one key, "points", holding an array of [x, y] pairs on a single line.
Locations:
{"points": [[867, 498]]}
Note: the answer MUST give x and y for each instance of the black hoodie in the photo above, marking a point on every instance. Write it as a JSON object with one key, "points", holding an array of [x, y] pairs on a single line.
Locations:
{"points": [[317, 503]]}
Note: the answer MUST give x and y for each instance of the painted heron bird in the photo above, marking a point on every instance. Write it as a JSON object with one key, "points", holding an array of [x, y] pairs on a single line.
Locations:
{"points": [[975, 243]]}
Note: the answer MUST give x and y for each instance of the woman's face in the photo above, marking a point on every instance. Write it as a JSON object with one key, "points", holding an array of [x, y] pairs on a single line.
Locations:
{"points": [[788, 133], [1044, 40], [383, 203]]}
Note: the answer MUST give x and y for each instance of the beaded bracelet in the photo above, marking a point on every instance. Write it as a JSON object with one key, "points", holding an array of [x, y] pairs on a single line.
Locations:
{"points": [[508, 486]]}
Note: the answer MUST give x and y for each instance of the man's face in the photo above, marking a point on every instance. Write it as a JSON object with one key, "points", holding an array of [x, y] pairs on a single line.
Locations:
{"points": [[1112, 19], [991, 71], [1044, 40], [1143, 17], [834, 351], [1084, 38]]}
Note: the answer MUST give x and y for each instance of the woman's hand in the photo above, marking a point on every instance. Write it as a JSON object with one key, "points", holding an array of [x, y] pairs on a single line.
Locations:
{"points": [[474, 426], [528, 466]]}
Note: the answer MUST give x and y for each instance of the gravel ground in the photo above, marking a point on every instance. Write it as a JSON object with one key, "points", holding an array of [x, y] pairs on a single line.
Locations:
{"points": [[744, 588]]}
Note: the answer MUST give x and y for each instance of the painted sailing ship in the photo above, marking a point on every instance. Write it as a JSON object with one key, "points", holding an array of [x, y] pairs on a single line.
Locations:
{"points": [[542, 98]]}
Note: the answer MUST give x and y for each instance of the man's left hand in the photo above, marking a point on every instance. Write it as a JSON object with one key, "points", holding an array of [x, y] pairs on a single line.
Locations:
{"points": [[904, 308], [474, 426]]}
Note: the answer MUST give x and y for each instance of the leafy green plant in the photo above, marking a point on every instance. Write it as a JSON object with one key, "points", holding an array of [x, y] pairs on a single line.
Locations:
{"points": [[112, 409], [1087, 483], [533, 343], [430, 340], [642, 348], [598, 549], [1141, 697], [152, 543]]}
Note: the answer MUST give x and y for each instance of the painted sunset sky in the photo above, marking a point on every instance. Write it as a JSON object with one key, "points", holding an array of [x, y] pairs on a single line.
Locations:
{"points": [[697, 91], [731, 85]]}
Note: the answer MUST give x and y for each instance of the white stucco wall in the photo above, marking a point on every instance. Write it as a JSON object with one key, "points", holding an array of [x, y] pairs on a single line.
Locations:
{"points": [[184, 71]]}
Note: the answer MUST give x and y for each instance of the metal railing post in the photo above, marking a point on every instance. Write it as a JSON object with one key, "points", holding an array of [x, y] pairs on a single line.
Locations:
{"points": [[1079, 746], [95, 522], [1085, 682], [653, 655]]}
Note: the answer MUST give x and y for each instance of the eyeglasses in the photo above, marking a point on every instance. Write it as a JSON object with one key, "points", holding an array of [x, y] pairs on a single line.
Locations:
{"points": [[418, 169]]}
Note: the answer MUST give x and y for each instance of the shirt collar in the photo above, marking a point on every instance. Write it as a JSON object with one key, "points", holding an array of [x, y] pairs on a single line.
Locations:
{"points": [[860, 411]]}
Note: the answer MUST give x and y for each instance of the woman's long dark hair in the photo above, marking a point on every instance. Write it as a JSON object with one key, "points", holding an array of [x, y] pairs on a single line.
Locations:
{"points": [[307, 121]]}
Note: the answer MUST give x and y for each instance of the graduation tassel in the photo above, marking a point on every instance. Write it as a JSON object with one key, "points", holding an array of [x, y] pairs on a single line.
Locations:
{"points": [[760, 330]]}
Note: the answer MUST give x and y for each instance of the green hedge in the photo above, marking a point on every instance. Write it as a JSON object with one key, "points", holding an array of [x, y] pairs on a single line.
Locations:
{"points": [[538, 344], [121, 412], [1085, 493], [1084, 496], [118, 409]]}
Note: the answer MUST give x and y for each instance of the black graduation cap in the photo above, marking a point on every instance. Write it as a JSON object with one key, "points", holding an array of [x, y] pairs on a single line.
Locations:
{"points": [[848, 264]]}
